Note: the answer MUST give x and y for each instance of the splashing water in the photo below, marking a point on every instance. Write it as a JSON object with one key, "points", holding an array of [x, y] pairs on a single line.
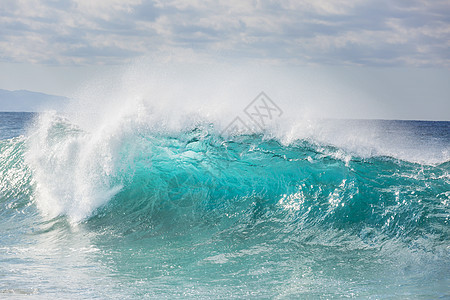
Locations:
{"points": [[135, 191]]}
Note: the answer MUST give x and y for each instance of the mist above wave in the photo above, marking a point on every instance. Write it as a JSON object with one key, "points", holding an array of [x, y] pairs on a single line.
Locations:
{"points": [[78, 157]]}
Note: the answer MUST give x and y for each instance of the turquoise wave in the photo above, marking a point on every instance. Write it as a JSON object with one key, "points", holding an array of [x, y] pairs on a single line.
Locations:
{"points": [[171, 182], [241, 216], [197, 179]]}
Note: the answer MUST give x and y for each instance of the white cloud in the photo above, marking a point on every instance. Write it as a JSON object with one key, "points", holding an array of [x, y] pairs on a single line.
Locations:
{"points": [[105, 9], [318, 32]]}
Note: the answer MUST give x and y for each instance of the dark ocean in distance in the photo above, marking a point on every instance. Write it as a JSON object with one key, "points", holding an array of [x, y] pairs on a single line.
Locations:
{"points": [[129, 209]]}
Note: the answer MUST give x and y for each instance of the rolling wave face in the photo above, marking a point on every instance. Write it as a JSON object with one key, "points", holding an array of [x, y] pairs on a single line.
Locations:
{"points": [[197, 174], [15, 176], [234, 202]]}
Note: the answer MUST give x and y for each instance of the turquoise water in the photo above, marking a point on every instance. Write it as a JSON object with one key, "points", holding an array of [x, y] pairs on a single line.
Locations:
{"points": [[136, 211]]}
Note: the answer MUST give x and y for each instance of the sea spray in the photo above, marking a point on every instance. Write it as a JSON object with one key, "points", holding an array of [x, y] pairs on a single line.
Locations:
{"points": [[72, 168], [134, 189], [78, 155]]}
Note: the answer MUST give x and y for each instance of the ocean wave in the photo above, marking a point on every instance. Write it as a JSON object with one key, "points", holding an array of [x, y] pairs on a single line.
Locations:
{"points": [[146, 180]]}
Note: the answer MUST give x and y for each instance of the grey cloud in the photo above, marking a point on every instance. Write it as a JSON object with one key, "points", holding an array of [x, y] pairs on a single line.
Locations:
{"points": [[147, 11], [14, 27], [92, 52], [370, 32]]}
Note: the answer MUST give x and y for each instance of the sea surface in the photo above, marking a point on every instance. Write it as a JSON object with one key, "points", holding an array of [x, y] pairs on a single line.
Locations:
{"points": [[127, 209]]}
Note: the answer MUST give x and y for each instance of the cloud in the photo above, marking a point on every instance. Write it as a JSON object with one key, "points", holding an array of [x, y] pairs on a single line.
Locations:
{"points": [[362, 32]]}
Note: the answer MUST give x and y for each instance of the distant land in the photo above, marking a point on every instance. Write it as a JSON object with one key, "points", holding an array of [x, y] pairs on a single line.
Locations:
{"points": [[28, 101]]}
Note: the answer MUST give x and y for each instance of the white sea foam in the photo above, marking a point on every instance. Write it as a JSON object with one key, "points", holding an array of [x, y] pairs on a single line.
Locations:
{"points": [[73, 156]]}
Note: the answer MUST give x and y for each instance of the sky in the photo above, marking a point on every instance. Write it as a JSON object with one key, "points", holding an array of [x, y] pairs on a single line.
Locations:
{"points": [[396, 52]]}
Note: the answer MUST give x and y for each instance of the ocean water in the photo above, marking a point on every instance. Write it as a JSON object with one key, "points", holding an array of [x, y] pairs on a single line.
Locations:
{"points": [[127, 208]]}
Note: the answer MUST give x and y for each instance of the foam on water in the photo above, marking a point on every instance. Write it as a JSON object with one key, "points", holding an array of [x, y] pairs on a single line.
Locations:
{"points": [[135, 189], [75, 155]]}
